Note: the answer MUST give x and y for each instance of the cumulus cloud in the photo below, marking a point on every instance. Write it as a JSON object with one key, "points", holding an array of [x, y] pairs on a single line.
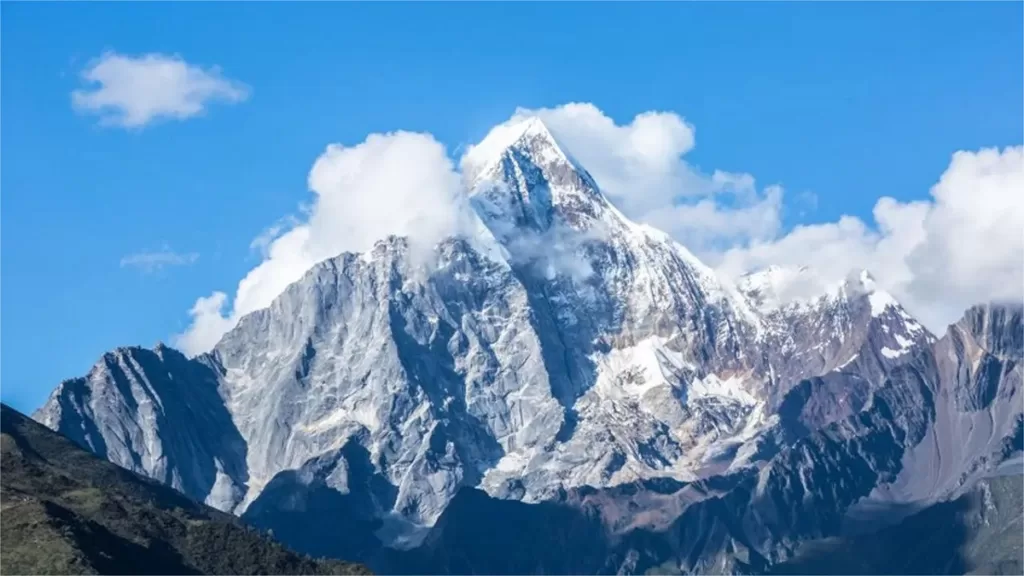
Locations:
{"points": [[710, 224], [400, 183], [208, 324], [939, 256], [131, 92], [154, 261], [963, 246], [641, 167]]}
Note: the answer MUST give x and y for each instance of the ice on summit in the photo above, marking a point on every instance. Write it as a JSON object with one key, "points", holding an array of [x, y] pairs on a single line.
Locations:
{"points": [[554, 344], [480, 159]]}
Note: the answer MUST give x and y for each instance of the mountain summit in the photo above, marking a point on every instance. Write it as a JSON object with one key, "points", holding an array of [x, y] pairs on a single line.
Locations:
{"points": [[593, 353]]}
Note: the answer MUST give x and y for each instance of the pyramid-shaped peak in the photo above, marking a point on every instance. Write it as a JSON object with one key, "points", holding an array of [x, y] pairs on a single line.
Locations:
{"points": [[534, 127], [527, 135], [522, 128]]}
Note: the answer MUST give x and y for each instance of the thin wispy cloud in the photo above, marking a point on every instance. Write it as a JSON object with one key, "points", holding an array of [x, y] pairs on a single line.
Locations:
{"points": [[158, 260], [131, 92]]}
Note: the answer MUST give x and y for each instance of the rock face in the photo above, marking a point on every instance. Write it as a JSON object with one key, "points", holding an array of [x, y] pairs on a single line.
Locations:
{"points": [[561, 347], [157, 413], [910, 456]]}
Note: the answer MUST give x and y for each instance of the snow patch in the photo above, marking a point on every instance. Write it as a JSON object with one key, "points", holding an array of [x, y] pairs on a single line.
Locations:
{"points": [[904, 343], [633, 371], [847, 363], [890, 353], [513, 462], [712, 385], [880, 301]]}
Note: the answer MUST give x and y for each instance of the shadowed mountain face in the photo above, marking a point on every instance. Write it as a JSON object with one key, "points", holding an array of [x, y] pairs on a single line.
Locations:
{"points": [[977, 533], [66, 512], [826, 502], [551, 355]]}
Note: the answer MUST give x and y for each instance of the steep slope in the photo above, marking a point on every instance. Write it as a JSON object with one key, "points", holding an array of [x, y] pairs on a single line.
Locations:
{"points": [[157, 413], [854, 476], [563, 346], [852, 326], [637, 333], [64, 511]]}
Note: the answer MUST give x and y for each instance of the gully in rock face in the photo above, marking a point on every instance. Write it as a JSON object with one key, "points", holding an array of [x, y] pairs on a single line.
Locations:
{"points": [[385, 402]]}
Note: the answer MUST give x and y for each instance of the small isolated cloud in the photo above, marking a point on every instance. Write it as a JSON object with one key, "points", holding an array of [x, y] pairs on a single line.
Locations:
{"points": [[131, 92], [154, 261]]}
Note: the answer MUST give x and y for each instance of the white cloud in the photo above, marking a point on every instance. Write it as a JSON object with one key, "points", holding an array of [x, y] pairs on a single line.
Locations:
{"points": [[153, 261], [709, 225], [640, 167], [962, 247], [400, 183], [208, 325], [131, 92]]}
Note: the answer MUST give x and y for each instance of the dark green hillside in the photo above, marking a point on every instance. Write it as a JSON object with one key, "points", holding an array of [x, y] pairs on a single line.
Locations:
{"points": [[64, 511]]}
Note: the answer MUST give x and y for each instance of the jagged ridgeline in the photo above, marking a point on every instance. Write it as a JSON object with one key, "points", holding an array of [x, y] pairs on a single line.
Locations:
{"points": [[562, 370]]}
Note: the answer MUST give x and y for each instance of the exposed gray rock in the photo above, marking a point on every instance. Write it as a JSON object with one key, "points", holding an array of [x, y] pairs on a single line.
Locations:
{"points": [[157, 413], [565, 347], [826, 487]]}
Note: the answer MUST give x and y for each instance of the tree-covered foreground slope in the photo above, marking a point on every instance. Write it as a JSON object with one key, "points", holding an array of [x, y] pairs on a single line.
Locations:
{"points": [[65, 511]]}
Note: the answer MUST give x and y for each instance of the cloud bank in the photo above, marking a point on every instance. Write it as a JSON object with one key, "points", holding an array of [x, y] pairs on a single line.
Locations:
{"points": [[961, 246], [131, 92]]}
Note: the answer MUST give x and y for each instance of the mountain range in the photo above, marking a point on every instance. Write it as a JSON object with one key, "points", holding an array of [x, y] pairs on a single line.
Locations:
{"points": [[557, 388]]}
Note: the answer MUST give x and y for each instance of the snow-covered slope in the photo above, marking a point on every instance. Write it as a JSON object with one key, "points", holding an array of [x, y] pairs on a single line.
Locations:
{"points": [[564, 346]]}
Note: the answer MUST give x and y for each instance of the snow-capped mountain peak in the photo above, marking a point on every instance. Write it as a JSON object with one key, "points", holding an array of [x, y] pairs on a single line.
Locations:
{"points": [[522, 180], [799, 287], [526, 135], [591, 351]]}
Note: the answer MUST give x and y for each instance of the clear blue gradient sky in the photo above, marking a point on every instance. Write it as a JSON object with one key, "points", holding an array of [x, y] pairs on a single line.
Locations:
{"points": [[850, 101]]}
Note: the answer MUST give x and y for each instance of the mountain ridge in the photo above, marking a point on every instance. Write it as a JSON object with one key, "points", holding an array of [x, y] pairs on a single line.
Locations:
{"points": [[588, 351]]}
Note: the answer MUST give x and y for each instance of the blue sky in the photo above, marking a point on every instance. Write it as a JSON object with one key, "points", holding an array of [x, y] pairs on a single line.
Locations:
{"points": [[850, 102]]}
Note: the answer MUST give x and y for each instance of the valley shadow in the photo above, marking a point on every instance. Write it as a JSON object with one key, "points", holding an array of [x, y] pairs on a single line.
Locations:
{"points": [[478, 534], [301, 510], [929, 542], [979, 532]]}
